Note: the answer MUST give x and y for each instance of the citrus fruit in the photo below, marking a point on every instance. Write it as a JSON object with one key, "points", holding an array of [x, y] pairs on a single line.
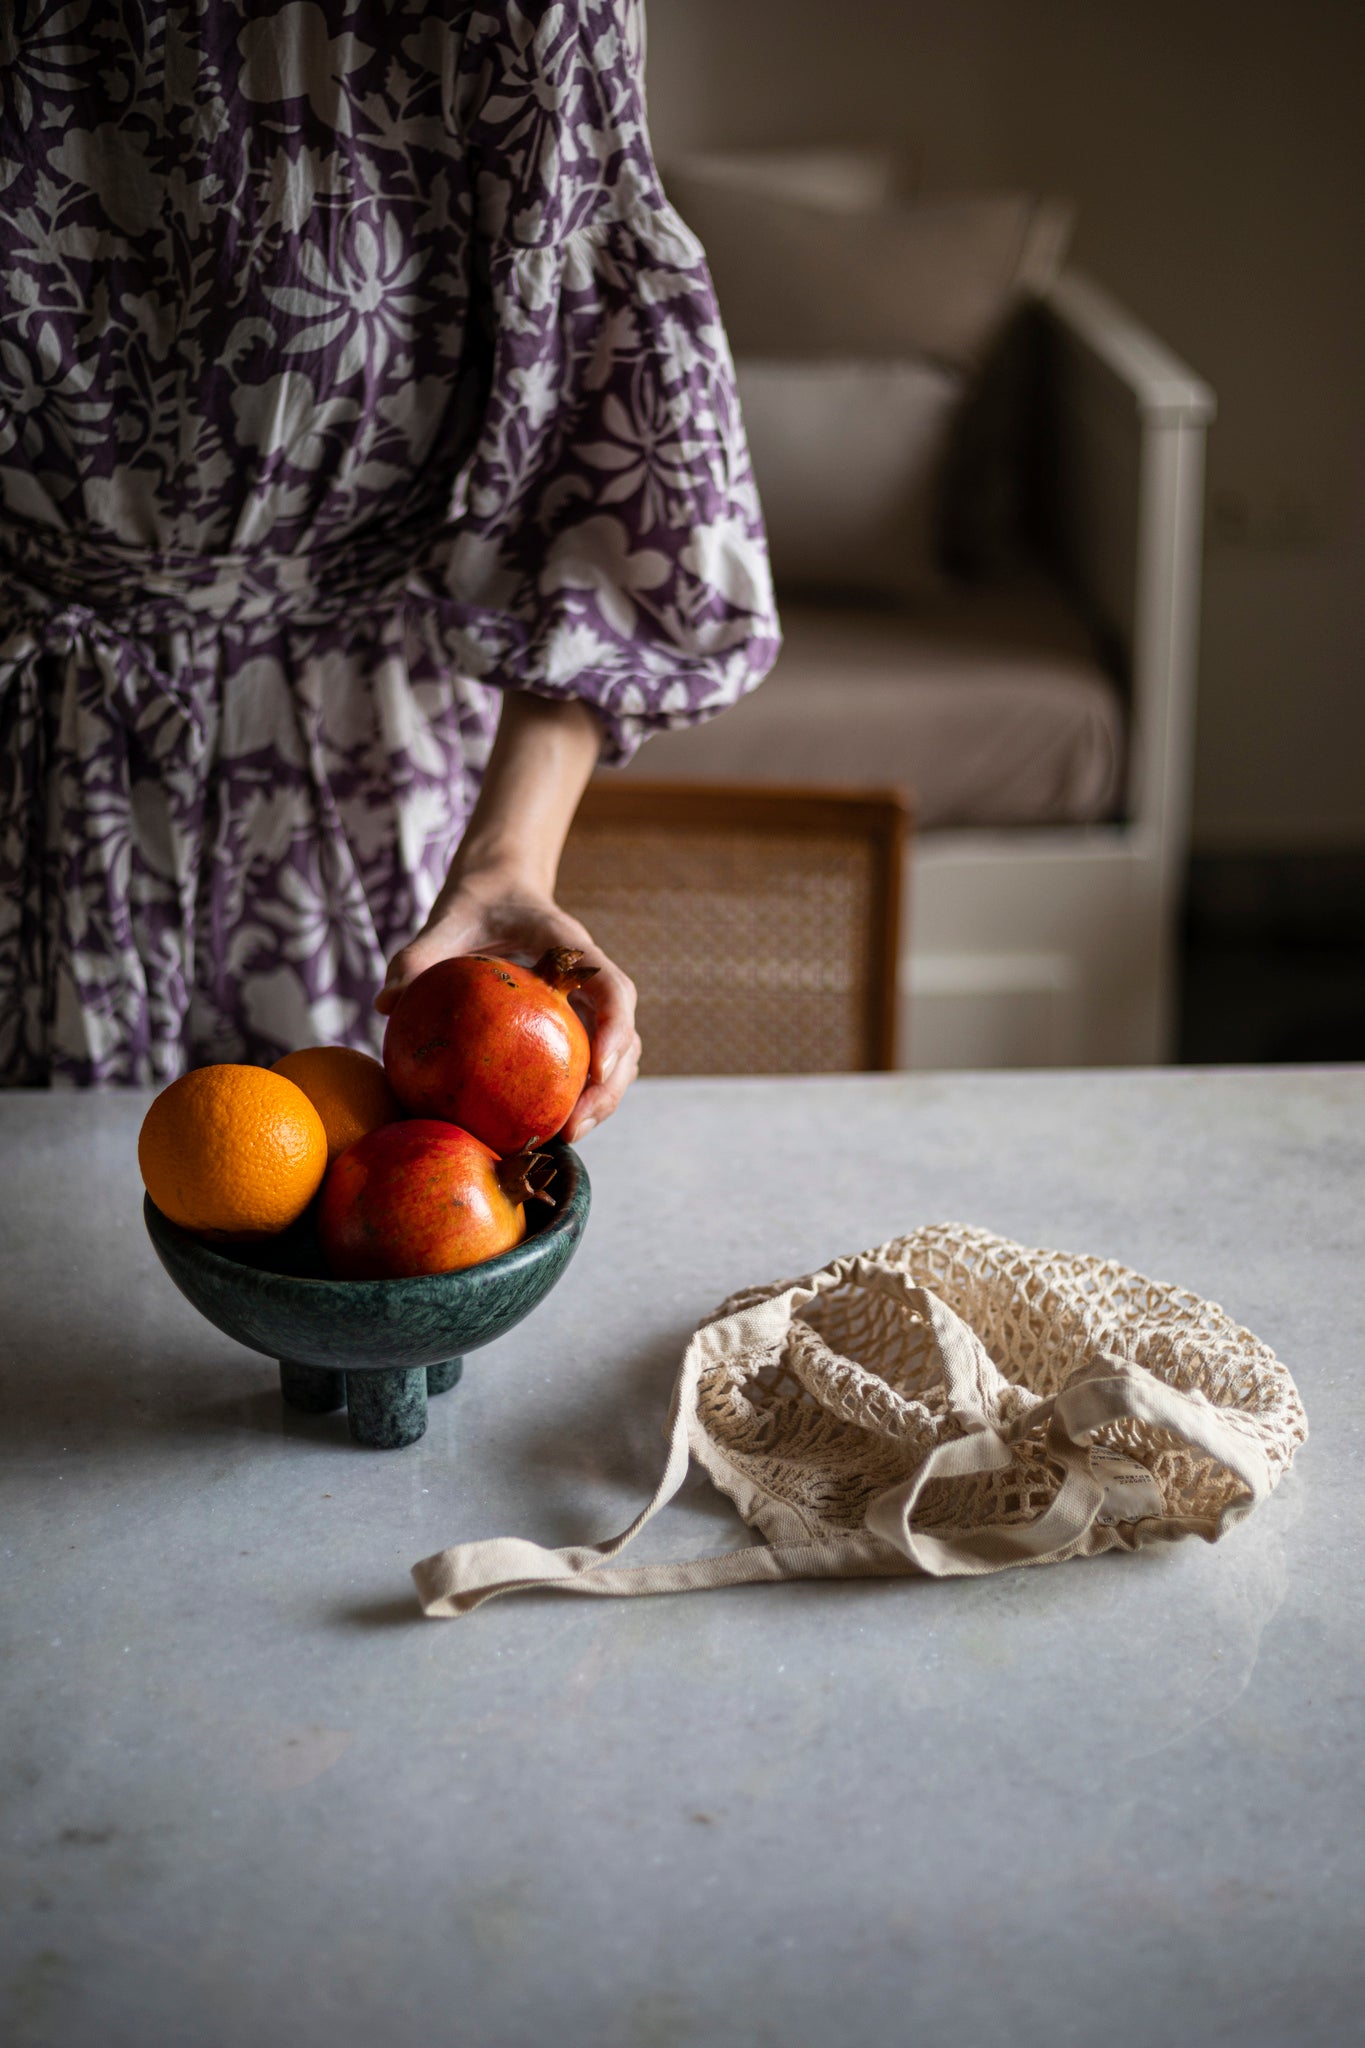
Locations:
{"points": [[349, 1090], [232, 1151]]}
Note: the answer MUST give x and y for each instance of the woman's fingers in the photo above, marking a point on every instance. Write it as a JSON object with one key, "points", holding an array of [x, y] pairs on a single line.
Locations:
{"points": [[600, 1098], [434, 942], [404, 967], [401, 971], [611, 995]]}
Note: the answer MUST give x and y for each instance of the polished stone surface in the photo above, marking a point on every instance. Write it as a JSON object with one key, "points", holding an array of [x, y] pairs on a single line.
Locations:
{"points": [[250, 1797]]}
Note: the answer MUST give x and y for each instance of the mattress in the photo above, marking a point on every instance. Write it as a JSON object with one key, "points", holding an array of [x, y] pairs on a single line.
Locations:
{"points": [[989, 706]]}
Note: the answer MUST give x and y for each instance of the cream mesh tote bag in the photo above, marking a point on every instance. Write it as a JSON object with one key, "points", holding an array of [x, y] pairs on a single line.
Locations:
{"points": [[948, 1403]]}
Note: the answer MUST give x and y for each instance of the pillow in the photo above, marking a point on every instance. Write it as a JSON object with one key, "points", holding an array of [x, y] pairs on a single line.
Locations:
{"points": [[934, 277], [848, 458]]}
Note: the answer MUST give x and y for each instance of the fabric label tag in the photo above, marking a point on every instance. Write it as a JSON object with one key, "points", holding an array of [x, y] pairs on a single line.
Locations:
{"points": [[1130, 1492]]}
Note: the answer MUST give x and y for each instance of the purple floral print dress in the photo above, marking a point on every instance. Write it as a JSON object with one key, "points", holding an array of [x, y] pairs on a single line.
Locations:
{"points": [[354, 369]]}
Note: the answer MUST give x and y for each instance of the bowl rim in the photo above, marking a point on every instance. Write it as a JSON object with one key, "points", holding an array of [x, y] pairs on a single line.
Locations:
{"points": [[570, 1214]]}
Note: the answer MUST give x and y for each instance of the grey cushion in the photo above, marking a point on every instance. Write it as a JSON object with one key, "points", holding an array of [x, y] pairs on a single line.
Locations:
{"points": [[865, 328], [934, 277], [991, 707], [848, 458]]}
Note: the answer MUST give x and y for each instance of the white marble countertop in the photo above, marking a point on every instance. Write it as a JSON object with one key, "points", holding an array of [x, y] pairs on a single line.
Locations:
{"points": [[252, 1797]]}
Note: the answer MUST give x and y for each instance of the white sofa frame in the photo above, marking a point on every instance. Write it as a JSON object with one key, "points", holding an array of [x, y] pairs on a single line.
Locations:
{"points": [[1056, 946]]}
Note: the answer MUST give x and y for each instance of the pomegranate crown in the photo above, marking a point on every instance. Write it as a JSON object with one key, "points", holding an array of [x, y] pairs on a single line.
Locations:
{"points": [[525, 1176], [560, 968]]}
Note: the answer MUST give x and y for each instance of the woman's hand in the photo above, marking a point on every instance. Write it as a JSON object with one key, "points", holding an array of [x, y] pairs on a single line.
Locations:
{"points": [[501, 912], [499, 894]]}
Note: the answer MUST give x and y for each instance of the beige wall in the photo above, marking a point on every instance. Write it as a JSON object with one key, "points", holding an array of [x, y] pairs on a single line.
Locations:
{"points": [[1215, 154]]}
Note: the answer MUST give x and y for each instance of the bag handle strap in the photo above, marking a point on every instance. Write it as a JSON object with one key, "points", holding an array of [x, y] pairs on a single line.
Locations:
{"points": [[457, 1580], [1113, 1389]]}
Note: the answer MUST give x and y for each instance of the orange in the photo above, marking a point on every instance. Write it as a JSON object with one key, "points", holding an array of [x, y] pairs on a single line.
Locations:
{"points": [[349, 1090], [232, 1151]]}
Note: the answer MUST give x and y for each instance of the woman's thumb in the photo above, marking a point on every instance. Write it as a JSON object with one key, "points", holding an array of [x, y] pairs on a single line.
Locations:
{"points": [[395, 980]]}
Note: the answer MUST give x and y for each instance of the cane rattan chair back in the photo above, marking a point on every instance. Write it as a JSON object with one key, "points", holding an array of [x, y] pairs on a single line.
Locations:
{"points": [[761, 926]]}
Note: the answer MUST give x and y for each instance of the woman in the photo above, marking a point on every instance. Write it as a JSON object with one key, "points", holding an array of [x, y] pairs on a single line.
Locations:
{"points": [[356, 378]]}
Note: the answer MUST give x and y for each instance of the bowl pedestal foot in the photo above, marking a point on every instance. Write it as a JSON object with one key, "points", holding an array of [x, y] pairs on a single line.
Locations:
{"points": [[385, 1409]]}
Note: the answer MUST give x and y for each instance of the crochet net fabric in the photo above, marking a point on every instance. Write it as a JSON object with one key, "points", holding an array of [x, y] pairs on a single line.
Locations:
{"points": [[948, 1403], [855, 1398]]}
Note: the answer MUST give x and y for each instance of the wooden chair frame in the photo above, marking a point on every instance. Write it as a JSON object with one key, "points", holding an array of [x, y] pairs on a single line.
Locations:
{"points": [[882, 817]]}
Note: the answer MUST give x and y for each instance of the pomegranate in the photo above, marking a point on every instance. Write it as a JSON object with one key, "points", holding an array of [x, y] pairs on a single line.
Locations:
{"points": [[424, 1197], [495, 1048]]}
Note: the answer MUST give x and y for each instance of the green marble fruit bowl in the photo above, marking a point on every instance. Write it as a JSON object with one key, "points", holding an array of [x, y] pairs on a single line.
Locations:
{"points": [[379, 1346]]}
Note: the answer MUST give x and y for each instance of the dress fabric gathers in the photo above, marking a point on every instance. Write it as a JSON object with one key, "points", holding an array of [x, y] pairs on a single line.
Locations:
{"points": [[354, 369]]}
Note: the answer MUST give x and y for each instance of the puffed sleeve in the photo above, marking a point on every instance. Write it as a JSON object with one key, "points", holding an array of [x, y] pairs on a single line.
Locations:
{"points": [[610, 544]]}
